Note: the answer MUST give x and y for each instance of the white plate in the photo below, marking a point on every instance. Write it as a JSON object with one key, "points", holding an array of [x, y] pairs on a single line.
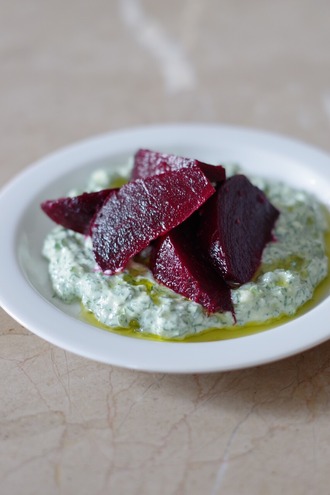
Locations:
{"points": [[25, 292]]}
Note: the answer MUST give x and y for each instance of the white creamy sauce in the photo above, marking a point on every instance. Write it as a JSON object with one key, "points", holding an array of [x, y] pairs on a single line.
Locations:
{"points": [[292, 267]]}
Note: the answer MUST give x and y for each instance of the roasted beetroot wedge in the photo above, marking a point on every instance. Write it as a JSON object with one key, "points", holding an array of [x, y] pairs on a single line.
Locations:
{"points": [[76, 213], [147, 163], [142, 210], [235, 226], [176, 262]]}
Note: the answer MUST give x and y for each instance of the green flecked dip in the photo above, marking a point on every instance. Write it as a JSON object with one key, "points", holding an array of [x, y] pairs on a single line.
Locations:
{"points": [[292, 267]]}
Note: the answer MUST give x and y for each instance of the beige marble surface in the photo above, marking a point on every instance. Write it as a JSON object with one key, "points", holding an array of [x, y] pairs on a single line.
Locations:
{"points": [[71, 69]]}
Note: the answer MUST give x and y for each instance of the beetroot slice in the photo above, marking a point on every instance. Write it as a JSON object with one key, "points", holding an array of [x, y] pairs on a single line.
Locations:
{"points": [[176, 262], [235, 226], [76, 213], [147, 163], [142, 210]]}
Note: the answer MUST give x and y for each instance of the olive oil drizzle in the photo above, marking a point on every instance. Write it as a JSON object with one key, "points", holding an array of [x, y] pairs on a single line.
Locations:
{"points": [[213, 334]]}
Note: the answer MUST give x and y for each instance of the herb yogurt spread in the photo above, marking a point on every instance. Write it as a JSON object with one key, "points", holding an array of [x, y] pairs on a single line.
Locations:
{"points": [[291, 268]]}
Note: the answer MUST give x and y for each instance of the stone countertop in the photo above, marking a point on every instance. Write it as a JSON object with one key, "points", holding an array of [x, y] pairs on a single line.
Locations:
{"points": [[73, 69]]}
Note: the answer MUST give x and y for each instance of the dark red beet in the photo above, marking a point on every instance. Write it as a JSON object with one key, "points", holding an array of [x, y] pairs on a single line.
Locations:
{"points": [[76, 213], [176, 262], [147, 163], [235, 226], [142, 210]]}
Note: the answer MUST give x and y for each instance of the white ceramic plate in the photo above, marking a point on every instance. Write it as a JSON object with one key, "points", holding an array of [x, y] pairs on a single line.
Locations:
{"points": [[25, 292]]}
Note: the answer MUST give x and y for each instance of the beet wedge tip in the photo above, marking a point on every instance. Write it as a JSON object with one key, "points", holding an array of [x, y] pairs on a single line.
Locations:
{"points": [[76, 213], [176, 263]]}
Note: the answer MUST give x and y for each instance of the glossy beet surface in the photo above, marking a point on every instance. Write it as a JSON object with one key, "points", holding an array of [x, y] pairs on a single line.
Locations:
{"points": [[176, 262], [76, 213], [147, 163], [235, 226], [142, 210]]}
